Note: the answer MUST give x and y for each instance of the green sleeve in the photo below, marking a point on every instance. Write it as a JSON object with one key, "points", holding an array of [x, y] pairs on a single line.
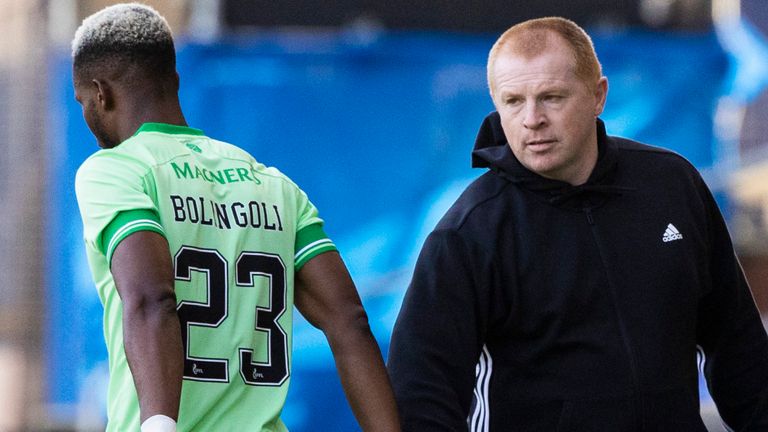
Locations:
{"points": [[311, 241], [113, 199], [125, 224]]}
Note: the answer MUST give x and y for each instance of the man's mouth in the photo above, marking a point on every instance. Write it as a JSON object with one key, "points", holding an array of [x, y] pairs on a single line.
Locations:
{"points": [[540, 144]]}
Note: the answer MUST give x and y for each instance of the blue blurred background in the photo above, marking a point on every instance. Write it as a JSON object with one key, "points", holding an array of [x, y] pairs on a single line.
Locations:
{"points": [[376, 124]]}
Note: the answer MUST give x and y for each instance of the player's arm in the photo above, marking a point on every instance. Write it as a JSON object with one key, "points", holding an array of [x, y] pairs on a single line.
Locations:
{"points": [[143, 273], [328, 299]]}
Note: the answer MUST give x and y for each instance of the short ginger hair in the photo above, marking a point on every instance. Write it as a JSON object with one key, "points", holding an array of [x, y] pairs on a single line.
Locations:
{"points": [[531, 37]]}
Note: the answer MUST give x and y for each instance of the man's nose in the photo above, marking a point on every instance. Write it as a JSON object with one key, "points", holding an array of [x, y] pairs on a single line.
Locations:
{"points": [[534, 117]]}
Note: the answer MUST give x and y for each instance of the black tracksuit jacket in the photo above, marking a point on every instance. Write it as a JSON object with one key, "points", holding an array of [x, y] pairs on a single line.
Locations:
{"points": [[539, 306]]}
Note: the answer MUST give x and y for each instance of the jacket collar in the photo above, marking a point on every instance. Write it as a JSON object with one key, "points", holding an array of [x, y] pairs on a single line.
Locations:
{"points": [[168, 129], [492, 151]]}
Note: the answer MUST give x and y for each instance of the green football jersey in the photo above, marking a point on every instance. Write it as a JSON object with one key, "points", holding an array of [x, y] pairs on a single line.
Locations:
{"points": [[238, 231]]}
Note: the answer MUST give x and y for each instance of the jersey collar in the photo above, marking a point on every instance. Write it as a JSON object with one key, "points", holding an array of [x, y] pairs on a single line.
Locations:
{"points": [[169, 129]]}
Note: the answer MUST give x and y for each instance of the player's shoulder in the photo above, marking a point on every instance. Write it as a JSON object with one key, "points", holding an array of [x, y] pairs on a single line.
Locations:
{"points": [[265, 173], [139, 151], [112, 163], [224, 149]]}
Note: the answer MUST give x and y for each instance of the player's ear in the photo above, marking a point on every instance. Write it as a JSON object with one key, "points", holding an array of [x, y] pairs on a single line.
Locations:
{"points": [[105, 95]]}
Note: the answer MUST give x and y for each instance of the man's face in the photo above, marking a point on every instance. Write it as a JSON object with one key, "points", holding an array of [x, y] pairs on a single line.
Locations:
{"points": [[548, 113], [86, 93]]}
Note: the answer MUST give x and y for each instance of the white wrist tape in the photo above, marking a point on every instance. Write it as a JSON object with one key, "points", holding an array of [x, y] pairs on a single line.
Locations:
{"points": [[158, 423]]}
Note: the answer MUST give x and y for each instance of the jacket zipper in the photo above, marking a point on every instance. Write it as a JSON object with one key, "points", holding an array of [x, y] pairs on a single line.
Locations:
{"points": [[588, 212], [623, 331]]}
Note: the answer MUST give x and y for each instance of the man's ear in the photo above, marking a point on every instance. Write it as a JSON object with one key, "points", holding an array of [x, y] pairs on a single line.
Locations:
{"points": [[105, 95], [601, 93]]}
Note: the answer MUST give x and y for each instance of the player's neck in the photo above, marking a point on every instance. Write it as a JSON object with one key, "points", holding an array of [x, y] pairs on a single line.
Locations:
{"points": [[169, 113]]}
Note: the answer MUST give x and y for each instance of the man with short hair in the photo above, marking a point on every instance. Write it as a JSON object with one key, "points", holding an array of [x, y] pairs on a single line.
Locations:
{"points": [[196, 248], [571, 285]]}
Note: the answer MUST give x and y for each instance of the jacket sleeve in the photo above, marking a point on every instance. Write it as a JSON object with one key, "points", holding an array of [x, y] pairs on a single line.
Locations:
{"points": [[439, 334], [732, 335]]}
